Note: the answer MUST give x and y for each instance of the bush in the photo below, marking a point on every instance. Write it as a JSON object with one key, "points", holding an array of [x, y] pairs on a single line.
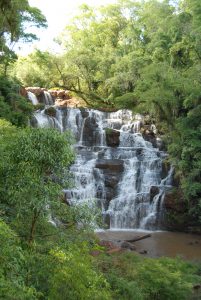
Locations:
{"points": [[133, 277]]}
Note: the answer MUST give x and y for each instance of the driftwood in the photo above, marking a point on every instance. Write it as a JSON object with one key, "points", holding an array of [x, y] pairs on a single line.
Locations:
{"points": [[139, 238]]}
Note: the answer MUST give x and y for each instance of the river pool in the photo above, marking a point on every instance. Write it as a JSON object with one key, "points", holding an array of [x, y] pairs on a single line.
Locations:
{"points": [[161, 243]]}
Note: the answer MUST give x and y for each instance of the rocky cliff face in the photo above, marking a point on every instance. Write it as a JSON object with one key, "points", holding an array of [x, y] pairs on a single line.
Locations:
{"points": [[119, 165], [60, 98], [115, 133]]}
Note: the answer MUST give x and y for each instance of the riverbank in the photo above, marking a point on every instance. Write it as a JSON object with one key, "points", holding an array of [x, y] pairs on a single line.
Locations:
{"points": [[161, 243]]}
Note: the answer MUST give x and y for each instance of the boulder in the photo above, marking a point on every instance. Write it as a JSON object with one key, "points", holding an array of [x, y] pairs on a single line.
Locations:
{"points": [[90, 132], [50, 111], [112, 137]]}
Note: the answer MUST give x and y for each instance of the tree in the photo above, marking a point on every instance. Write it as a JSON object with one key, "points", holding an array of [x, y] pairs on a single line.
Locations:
{"points": [[15, 17], [33, 166]]}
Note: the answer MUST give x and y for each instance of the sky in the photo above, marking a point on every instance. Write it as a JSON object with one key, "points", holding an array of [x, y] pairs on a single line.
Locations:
{"points": [[58, 14]]}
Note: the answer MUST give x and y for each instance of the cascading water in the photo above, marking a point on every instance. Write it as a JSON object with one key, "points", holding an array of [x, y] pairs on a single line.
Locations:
{"points": [[115, 165], [32, 97], [48, 98]]}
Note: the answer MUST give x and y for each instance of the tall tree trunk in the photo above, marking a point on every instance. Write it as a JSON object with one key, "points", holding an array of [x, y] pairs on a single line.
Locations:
{"points": [[33, 226]]}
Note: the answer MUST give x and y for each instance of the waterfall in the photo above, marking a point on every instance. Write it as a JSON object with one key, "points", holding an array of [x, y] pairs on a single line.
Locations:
{"points": [[32, 97], [48, 98], [124, 178]]}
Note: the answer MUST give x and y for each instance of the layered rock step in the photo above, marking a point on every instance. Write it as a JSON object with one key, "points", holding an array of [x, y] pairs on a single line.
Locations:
{"points": [[57, 97], [120, 165]]}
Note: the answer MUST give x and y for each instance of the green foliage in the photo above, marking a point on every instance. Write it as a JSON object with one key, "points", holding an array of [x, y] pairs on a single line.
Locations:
{"points": [[32, 171], [39, 69], [13, 107], [128, 101], [185, 150], [76, 265], [134, 277], [15, 15], [39, 260], [12, 264], [141, 55]]}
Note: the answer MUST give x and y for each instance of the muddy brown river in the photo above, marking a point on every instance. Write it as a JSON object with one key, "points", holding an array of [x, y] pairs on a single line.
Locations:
{"points": [[161, 243]]}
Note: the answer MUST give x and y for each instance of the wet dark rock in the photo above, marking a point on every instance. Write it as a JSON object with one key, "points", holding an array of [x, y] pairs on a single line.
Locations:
{"points": [[191, 243], [111, 180], [174, 201], [143, 252], [161, 145], [176, 211], [84, 112], [41, 97], [109, 195], [165, 169], [129, 246], [90, 132], [149, 136], [83, 180], [50, 111], [197, 286], [33, 122], [112, 137], [139, 152], [112, 165], [154, 190], [194, 229], [138, 180], [112, 170]]}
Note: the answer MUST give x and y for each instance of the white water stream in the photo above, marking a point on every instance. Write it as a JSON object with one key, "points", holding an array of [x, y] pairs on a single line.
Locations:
{"points": [[123, 194]]}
